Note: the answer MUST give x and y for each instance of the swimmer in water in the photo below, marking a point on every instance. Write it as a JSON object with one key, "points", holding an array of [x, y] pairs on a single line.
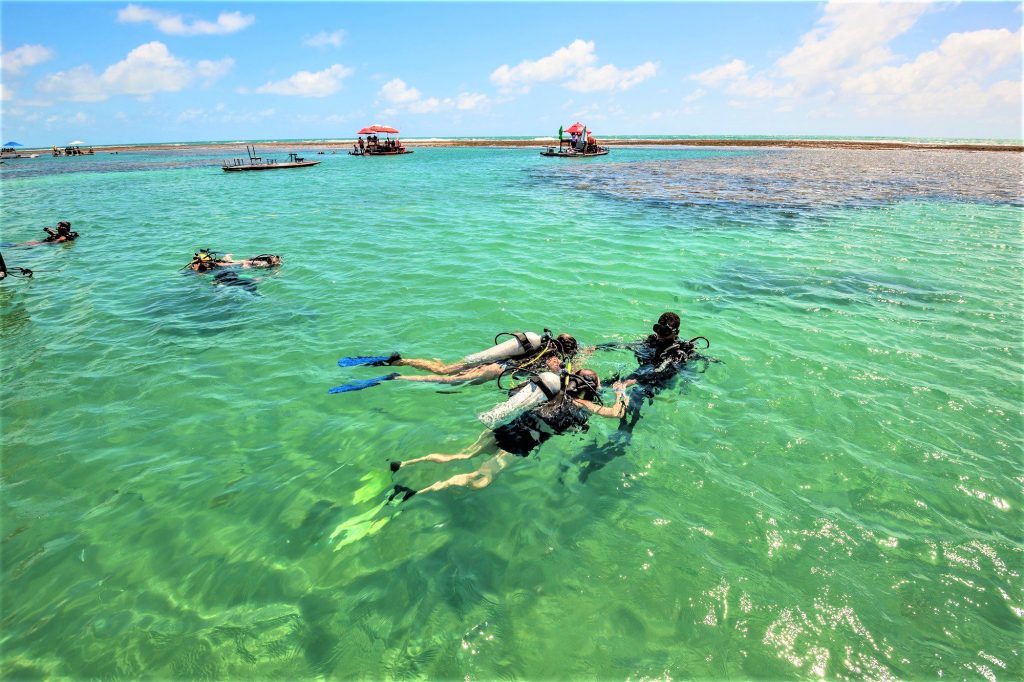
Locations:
{"points": [[62, 234]]}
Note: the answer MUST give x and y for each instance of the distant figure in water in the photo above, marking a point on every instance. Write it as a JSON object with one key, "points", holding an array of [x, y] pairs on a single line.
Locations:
{"points": [[63, 233], [205, 260], [568, 410]]}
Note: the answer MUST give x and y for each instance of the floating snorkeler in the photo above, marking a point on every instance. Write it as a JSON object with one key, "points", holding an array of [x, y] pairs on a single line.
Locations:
{"points": [[570, 400], [523, 352]]}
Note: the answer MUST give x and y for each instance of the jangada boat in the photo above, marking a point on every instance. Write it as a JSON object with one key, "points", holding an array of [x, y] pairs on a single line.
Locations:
{"points": [[257, 163], [580, 145], [374, 147], [566, 153]]}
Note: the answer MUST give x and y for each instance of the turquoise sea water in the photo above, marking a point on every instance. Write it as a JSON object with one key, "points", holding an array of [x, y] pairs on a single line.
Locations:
{"points": [[839, 496]]}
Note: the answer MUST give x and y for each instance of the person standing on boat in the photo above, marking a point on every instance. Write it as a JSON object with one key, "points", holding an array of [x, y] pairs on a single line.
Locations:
{"points": [[362, 146]]}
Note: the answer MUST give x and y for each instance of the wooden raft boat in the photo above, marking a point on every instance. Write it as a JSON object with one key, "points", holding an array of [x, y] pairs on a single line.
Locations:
{"points": [[257, 163]]}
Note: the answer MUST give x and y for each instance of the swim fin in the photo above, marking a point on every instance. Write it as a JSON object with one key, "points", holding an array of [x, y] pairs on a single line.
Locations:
{"points": [[362, 383], [372, 360]]}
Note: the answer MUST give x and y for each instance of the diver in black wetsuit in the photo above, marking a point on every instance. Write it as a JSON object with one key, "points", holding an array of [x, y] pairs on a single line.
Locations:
{"points": [[568, 410], [661, 356]]}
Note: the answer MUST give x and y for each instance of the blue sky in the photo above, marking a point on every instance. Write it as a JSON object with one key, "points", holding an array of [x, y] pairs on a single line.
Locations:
{"points": [[157, 72]]}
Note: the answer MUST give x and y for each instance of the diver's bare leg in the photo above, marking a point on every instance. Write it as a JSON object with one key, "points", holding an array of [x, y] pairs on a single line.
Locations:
{"points": [[481, 478], [475, 375], [435, 366], [482, 444]]}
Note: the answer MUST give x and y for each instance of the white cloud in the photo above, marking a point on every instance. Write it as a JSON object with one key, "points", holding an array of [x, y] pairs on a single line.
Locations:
{"points": [[952, 76], [846, 61], [723, 73], [695, 95], [5, 93], [402, 97], [609, 77], [214, 70], [849, 37], [21, 58], [146, 70], [309, 84], [175, 24], [735, 77], [325, 39], [397, 92], [576, 66], [562, 63]]}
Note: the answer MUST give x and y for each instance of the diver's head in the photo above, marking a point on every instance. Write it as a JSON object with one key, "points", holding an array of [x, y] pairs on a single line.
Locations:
{"points": [[667, 326], [203, 261], [583, 384], [63, 227], [566, 345]]}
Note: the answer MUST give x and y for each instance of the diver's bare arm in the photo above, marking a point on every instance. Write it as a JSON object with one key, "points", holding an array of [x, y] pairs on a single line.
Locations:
{"points": [[616, 410]]}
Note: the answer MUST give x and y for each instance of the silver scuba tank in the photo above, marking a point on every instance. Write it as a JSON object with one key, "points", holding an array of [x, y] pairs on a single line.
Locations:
{"points": [[504, 350], [526, 397]]}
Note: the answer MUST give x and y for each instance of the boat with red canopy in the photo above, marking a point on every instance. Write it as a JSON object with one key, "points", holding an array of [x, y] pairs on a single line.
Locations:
{"points": [[579, 145], [374, 146]]}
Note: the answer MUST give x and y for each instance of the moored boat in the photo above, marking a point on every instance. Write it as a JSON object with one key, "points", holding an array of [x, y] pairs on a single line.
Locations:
{"points": [[257, 163], [374, 146], [580, 144]]}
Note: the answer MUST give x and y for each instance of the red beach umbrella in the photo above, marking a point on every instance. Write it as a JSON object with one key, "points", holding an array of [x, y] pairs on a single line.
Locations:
{"points": [[576, 128], [384, 129], [367, 131]]}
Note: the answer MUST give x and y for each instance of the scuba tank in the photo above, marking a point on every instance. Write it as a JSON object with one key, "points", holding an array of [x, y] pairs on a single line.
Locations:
{"points": [[544, 386], [521, 343]]}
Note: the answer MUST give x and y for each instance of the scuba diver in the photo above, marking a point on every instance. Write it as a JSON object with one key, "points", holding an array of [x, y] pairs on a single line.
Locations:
{"points": [[661, 357], [523, 352], [63, 233], [205, 260], [570, 401]]}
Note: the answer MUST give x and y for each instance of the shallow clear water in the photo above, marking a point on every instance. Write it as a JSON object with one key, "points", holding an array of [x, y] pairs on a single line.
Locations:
{"points": [[841, 495]]}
